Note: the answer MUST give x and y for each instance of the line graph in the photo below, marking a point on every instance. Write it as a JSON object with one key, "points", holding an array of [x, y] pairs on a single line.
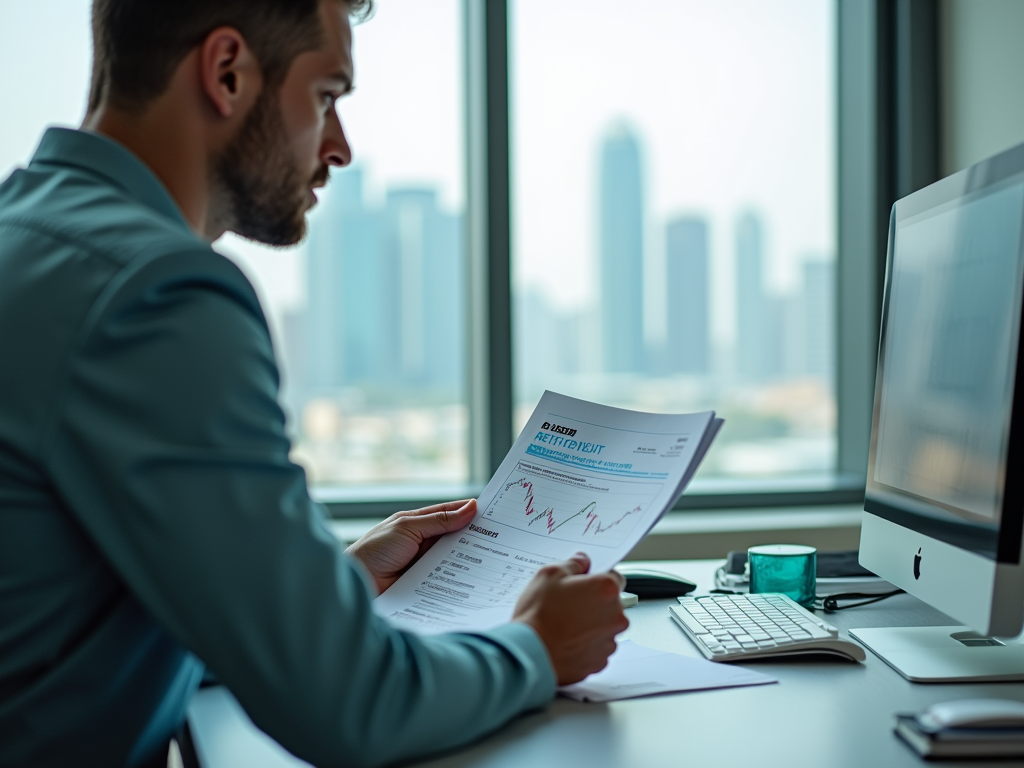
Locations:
{"points": [[571, 506]]}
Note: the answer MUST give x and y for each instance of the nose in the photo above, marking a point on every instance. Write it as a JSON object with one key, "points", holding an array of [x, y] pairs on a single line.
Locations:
{"points": [[335, 149]]}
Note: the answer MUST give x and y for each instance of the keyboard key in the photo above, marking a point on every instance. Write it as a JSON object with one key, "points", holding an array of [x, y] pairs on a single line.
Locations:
{"points": [[815, 631], [691, 623]]}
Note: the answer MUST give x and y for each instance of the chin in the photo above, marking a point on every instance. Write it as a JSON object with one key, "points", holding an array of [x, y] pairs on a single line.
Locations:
{"points": [[278, 237]]}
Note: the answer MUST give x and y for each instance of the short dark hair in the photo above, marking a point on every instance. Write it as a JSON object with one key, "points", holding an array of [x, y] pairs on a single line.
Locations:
{"points": [[137, 44]]}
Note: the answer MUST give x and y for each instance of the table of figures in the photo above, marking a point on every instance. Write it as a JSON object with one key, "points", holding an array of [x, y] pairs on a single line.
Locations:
{"points": [[474, 574]]}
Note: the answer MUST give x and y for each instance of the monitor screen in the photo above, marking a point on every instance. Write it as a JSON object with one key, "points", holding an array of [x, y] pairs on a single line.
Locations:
{"points": [[945, 389]]}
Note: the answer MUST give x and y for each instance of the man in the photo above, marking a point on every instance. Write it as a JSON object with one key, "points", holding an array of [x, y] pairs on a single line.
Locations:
{"points": [[150, 520]]}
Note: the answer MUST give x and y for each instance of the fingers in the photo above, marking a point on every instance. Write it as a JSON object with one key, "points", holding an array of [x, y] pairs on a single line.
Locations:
{"points": [[576, 565], [620, 579], [433, 509], [441, 518], [576, 614]]}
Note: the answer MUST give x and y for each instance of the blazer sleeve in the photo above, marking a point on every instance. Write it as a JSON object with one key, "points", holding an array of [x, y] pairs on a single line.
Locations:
{"points": [[169, 448]]}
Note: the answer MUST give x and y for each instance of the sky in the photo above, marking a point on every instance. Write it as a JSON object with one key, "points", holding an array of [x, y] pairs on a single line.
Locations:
{"points": [[733, 102]]}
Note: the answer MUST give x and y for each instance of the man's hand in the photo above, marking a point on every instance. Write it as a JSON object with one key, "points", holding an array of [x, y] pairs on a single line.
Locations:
{"points": [[387, 550], [577, 615]]}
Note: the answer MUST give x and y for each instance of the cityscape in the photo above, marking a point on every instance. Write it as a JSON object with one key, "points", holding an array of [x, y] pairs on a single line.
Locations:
{"points": [[375, 362]]}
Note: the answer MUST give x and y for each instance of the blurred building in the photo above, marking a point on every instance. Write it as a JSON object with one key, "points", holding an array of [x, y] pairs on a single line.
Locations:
{"points": [[424, 291], [621, 245], [819, 322], [755, 317], [687, 323], [385, 295], [549, 343]]}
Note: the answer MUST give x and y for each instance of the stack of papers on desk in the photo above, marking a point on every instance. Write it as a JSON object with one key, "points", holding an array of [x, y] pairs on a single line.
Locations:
{"points": [[634, 670], [960, 742], [581, 477]]}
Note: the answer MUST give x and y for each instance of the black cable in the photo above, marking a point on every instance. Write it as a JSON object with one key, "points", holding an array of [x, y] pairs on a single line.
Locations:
{"points": [[830, 603]]}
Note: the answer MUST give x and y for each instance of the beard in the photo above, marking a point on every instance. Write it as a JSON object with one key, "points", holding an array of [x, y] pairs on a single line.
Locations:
{"points": [[264, 192]]}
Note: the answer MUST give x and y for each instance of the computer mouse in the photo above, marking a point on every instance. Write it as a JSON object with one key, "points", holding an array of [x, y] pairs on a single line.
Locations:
{"points": [[973, 713], [652, 584]]}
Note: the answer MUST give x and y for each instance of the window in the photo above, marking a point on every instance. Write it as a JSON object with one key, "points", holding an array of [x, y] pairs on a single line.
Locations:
{"points": [[669, 230], [673, 198], [45, 55]]}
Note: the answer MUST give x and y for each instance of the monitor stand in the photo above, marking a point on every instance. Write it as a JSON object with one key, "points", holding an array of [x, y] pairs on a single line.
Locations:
{"points": [[945, 654]]}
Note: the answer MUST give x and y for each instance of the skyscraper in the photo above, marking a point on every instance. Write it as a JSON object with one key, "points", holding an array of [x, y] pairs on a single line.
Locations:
{"points": [[752, 311], [386, 304], [422, 259], [688, 334], [549, 343], [819, 303], [345, 284], [621, 245]]}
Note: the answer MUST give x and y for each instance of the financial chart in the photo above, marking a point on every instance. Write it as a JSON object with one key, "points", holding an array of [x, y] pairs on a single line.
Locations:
{"points": [[572, 505]]}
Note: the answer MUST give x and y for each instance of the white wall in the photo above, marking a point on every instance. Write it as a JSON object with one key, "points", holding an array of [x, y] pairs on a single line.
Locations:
{"points": [[982, 71]]}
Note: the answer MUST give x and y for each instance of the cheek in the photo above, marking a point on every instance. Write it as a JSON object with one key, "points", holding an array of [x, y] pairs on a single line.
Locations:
{"points": [[305, 125]]}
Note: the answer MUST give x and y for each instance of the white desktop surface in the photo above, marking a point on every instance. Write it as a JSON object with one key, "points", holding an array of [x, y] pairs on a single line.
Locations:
{"points": [[822, 712]]}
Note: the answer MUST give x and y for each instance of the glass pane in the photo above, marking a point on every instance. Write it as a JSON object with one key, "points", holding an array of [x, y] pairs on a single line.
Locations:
{"points": [[673, 199], [45, 58], [368, 313]]}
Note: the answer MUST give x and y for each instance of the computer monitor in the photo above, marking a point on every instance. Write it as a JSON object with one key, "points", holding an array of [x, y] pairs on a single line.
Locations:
{"points": [[944, 502]]}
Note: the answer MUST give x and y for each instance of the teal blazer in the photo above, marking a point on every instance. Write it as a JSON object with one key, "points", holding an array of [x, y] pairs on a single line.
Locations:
{"points": [[151, 522]]}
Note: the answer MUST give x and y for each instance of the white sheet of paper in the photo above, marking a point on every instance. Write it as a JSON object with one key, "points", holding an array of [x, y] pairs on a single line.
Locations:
{"points": [[635, 670], [581, 477]]}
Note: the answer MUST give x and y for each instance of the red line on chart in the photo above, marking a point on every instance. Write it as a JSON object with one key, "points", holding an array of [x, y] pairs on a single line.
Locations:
{"points": [[548, 515], [593, 518]]}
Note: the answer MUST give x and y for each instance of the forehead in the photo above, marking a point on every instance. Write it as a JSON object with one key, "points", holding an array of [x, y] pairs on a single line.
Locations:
{"points": [[336, 48]]}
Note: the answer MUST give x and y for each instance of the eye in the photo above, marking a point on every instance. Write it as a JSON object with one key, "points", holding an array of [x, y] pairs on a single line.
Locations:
{"points": [[327, 99]]}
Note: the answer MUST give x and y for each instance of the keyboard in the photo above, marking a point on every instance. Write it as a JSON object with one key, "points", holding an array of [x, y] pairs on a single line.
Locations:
{"points": [[742, 627]]}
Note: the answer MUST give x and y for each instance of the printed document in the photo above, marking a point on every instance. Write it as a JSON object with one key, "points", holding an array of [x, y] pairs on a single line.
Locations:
{"points": [[635, 670], [581, 477]]}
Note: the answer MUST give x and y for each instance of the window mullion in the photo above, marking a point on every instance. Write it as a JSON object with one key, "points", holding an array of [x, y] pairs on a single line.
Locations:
{"points": [[488, 236]]}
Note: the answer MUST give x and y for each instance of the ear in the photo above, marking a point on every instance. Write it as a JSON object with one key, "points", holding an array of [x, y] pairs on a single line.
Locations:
{"points": [[230, 73]]}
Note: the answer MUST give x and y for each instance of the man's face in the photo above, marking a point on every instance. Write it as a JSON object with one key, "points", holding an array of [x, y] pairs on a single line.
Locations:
{"points": [[289, 140]]}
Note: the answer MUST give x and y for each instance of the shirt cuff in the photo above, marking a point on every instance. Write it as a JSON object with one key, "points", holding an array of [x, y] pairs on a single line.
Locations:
{"points": [[522, 642]]}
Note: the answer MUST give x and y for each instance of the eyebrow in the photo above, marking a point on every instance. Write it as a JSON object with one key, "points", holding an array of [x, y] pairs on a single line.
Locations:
{"points": [[344, 78]]}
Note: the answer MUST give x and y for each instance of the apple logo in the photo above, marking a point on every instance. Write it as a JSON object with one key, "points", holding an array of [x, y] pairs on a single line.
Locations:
{"points": [[917, 564]]}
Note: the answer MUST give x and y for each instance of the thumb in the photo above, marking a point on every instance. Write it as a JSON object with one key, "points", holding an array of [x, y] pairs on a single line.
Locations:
{"points": [[576, 565], [442, 521]]}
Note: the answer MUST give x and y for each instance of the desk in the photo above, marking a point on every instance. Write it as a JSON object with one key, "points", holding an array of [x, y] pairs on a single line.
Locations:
{"points": [[821, 713]]}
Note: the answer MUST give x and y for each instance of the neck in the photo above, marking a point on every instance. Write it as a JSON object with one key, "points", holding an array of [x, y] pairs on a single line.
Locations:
{"points": [[174, 140], [168, 152]]}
